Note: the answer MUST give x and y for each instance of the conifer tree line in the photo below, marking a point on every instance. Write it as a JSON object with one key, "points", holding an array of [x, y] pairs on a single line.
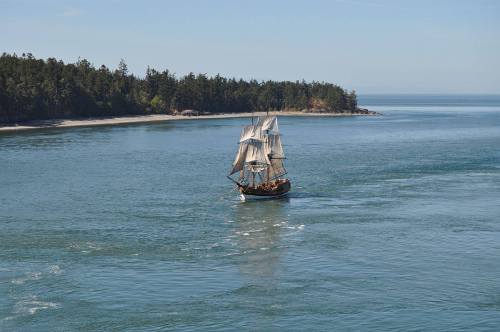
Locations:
{"points": [[36, 89]]}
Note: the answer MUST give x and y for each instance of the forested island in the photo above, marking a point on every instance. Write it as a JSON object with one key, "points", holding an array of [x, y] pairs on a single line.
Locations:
{"points": [[35, 89]]}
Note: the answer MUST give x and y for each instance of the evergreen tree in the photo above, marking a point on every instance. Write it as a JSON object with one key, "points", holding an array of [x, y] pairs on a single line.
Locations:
{"points": [[33, 89]]}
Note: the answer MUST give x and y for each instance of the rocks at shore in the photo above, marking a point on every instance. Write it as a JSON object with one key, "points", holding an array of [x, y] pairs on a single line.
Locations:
{"points": [[313, 110], [191, 113], [363, 111]]}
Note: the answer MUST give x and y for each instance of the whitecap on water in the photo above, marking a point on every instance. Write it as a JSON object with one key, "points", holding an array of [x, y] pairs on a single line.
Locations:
{"points": [[85, 247], [31, 276], [30, 305], [299, 227], [28, 277], [55, 270]]}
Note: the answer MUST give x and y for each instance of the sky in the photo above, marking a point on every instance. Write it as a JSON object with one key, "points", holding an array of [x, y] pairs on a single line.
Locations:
{"points": [[371, 46]]}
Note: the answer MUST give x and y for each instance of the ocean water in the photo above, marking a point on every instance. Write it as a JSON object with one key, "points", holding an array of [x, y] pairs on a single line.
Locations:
{"points": [[393, 223]]}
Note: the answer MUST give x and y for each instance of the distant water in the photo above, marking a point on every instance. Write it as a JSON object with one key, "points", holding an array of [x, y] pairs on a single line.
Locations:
{"points": [[430, 100], [393, 224]]}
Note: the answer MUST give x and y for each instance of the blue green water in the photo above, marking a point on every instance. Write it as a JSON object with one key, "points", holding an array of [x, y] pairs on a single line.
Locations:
{"points": [[393, 223]]}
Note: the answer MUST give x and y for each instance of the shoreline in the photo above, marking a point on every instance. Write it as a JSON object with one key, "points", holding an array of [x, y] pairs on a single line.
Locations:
{"points": [[122, 120]]}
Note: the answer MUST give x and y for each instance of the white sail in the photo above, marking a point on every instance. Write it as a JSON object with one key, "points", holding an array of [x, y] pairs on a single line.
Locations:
{"points": [[255, 153], [277, 168], [260, 149], [239, 161], [268, 123], [274, 147], [250, 153], [251, 133]]}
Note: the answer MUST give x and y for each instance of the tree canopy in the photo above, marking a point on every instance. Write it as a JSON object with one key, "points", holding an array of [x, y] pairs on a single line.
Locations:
{"points": [[36, 89]]}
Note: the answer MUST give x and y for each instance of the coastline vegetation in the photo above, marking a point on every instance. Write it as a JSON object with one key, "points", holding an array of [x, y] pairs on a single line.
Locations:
{"points": [[35, 89]]}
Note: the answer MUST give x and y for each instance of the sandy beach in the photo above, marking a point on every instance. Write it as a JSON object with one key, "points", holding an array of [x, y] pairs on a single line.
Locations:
{"points": [[62, 123]]}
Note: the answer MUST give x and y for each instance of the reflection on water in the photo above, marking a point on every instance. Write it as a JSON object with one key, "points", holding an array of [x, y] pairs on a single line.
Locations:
{"points": [[258, 228]]}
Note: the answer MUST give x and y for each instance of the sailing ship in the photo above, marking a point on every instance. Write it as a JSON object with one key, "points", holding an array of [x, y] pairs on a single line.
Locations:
{"points": [[259, 161]]}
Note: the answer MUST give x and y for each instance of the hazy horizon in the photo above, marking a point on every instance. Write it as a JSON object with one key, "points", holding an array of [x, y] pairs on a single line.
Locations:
{"points": [[373, 47]]}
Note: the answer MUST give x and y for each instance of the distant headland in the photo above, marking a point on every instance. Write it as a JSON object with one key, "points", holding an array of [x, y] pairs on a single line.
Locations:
{"points": [[36, 92]]}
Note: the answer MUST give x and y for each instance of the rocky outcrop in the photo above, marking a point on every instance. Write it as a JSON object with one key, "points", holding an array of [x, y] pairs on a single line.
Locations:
{"points": [[325, 110]]}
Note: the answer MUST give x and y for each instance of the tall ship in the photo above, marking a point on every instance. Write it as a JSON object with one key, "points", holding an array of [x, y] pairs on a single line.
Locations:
{"points": [[259, 161]]}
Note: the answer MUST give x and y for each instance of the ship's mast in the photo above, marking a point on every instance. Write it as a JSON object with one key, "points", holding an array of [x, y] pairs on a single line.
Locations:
{"points": [[267, 137], [268, 173], [270, 158], [260, 152]]}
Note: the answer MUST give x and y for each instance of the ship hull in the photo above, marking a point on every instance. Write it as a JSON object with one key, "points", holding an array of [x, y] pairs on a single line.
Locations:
{"points": [[245, 198], [280, 190]]}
